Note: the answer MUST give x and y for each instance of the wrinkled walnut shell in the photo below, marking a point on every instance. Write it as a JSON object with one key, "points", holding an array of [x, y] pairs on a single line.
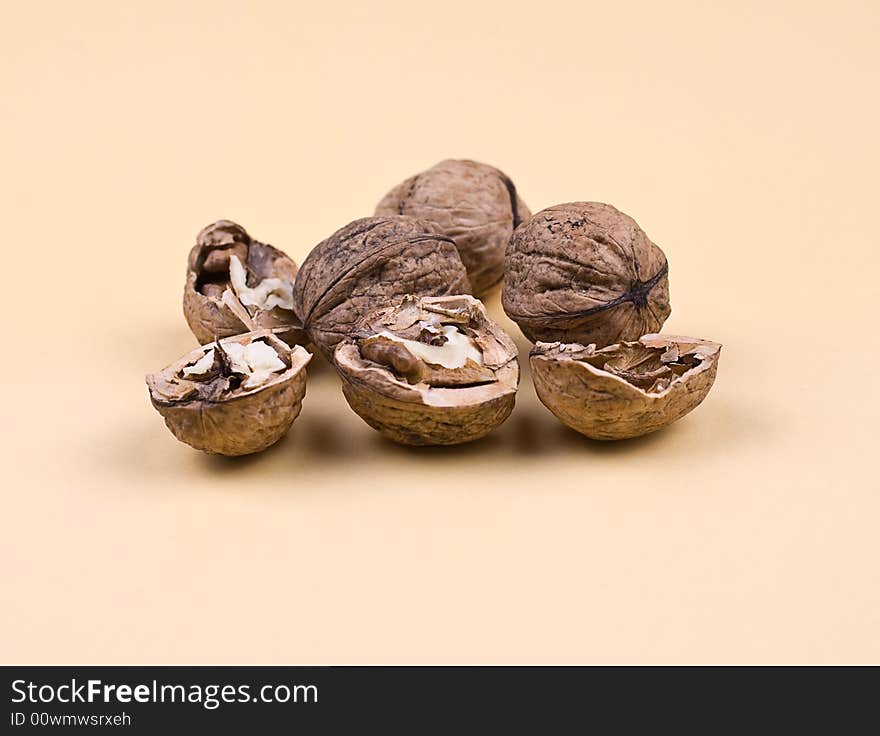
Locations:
{"points": [[231, 422], [585, 272], [367, 265], [474, 204], [419, 413], [208, 313], [624, 390]]}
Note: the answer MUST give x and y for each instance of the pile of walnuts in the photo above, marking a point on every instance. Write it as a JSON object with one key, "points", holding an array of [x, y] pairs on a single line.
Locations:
{"points": [[391, 301]]}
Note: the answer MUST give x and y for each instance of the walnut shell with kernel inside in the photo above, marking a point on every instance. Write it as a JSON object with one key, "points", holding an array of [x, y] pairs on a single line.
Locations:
{"points": [[474, 204], [369, 264], [235, 284], [236, 396], [430, 371], [585, 272], [624, 390]]}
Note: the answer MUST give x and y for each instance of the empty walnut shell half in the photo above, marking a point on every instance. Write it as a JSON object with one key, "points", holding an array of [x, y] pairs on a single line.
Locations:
{"points": [[369, 264], [236, 284], [474, 204], [585, 272], [233, 397], [431, 371], [624, 390]]}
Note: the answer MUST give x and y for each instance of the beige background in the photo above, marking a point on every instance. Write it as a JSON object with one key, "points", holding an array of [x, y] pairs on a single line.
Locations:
{"points": [[743, 139]]}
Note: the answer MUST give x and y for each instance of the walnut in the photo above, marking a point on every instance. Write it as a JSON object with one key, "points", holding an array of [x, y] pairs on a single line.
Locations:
{"points": [[585, 272], [234, 397], [474, 204], [369, 264], [235, 284], [624, 390], [430, 371]]}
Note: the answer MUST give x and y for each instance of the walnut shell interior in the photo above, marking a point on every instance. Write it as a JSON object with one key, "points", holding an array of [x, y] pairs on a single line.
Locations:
{"points": [[585, 272], [475, 204], [235, 284], [235, 396], [367, 265], [624, 390], [457, 388]]}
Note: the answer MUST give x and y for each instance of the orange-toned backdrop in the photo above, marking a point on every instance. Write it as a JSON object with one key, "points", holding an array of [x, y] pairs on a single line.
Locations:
{"points": [[742, 138]]}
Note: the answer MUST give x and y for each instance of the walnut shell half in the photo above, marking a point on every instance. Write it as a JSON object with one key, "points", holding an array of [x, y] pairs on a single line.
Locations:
{"points": [[431, 371], [233, 397], [369, 264], [624, 390], [216, 306], [474, 204], [585, 272]]}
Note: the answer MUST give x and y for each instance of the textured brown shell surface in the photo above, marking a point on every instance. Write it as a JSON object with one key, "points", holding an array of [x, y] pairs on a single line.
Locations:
{"points": [[240, 427], [269, 262], [605, 407], [422, 415], [448, 425], [275, 319], [475, 204], [585, 272], [242, 424], [369, 264], [209, 318]]}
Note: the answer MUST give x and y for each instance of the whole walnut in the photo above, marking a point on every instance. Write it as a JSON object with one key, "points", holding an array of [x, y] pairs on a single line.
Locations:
{"points": [[369, 264], [585, 272], [235, 284], [430, 371], [232, 397], [474, 204], [624, 390]]}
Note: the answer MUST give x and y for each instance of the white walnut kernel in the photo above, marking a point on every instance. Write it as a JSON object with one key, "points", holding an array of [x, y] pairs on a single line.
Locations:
{"points": [[211, 408], [454, 353], [390, 380], [256, 360], [202, 365], [268, 294]]}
